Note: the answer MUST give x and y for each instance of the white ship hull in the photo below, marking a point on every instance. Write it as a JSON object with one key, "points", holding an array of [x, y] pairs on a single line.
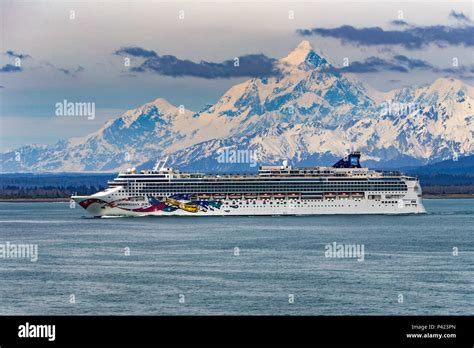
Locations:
{"points": [[273, 207]]}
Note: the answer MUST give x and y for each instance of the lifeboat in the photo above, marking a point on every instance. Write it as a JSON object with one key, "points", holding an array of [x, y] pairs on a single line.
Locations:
{"points": [[219, 195], [235, 195], [250, 195], [265, 195], [330, 195], [357, 195], [279, 195], [293, 194], [204, 195]]}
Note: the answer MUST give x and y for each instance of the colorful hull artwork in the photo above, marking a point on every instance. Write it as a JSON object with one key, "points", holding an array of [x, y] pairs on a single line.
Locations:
{"points": [[183, 202]]}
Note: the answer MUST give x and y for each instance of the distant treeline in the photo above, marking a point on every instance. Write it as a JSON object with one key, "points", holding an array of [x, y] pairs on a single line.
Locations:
{"points": [[17, 186], [16, 192], [453, 189], [53, 186], [445, 180], [25, 180], [51, 192]]}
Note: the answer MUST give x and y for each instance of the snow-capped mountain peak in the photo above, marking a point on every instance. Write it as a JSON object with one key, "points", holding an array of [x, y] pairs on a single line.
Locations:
{"points": [[304, 54], [309, 114], [163, 104], [447, 86], [304, 92], [299, 54], [159, 108]]}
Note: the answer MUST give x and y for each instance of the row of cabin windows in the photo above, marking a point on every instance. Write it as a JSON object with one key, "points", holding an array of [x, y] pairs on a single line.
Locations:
{"points": [[388, 190], [296, 184], [252, 187]]}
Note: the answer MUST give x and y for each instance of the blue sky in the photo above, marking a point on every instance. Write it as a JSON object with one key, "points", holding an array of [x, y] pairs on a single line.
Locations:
{"points": [[388, 45]]}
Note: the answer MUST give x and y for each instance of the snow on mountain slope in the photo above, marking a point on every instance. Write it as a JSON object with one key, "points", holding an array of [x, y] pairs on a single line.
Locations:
{"points": [[122, 142], [417, 125], [310, 89], [298, 55], [310, 112], [431, 122]]}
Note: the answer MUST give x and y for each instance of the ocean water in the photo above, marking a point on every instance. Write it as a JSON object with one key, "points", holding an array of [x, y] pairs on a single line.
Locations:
{"points": [[190, 266]]}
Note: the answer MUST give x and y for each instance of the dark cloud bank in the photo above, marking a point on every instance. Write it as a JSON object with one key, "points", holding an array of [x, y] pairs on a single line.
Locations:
{"points": [[410, 37], [253, 65]]}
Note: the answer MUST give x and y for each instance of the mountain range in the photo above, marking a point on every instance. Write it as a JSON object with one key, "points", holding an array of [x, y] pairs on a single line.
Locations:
{"points": [[312, 113]]}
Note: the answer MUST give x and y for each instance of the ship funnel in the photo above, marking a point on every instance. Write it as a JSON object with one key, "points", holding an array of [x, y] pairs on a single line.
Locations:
{"points": [[350, 161]]}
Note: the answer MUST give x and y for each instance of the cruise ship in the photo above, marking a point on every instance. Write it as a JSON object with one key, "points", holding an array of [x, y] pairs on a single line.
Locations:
{"points": [[344, 188]]}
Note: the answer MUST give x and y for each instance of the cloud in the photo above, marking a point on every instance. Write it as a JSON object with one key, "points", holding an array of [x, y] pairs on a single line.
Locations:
{"points": [[13, 54], [402, 64], [399, 22], [459, 16], [65, 71], [412, 63], [456, 71], [253, 65], [372, 65], [136, 52], [13, 68], [398, 63], [71, 72], [410, 38], [10, 68]]}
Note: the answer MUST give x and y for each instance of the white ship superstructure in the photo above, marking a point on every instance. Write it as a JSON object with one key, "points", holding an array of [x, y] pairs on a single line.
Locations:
{"points": [[345, 188]]}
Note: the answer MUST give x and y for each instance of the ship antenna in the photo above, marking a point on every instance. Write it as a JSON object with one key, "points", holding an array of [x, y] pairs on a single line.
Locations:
{"points": [[164, 162], [157, 165]]}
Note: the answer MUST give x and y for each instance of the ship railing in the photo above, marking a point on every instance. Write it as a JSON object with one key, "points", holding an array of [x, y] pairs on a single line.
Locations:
{"points": [[390, 172]]}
